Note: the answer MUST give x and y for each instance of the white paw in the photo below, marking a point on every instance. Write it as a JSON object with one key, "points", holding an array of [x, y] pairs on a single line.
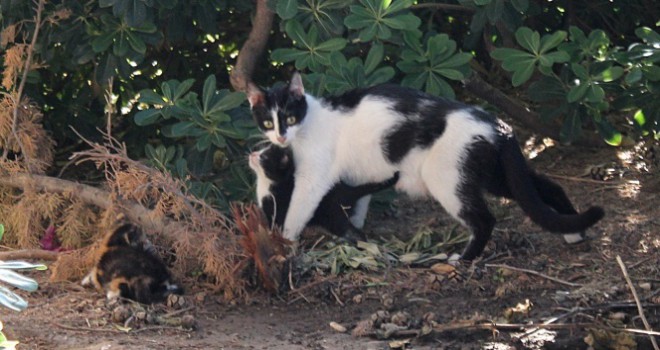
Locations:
{"points": [[454, 260]]}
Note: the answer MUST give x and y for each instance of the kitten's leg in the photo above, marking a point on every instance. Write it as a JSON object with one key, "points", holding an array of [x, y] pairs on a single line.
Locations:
{"points": [[307, 194], [478, 219], [360, 211]]}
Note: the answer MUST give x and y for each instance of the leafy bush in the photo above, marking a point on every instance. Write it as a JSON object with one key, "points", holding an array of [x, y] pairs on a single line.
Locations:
{"points": [[581, 63]]}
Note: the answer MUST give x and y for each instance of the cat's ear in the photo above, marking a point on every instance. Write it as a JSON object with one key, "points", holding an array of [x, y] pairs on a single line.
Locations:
{"points": [[255, 95], [296, 87]]}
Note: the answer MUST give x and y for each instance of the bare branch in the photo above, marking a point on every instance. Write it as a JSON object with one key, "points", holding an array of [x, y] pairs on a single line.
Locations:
{"points": [[517, 111], [253, 47]]}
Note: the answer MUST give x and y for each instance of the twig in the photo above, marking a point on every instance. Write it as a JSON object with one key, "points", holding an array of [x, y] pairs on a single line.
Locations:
{"points": [[535, 273], [154, 328], [25, 254], [579, 179], [177, 312], [311, 284], [85, 329], [640, 310]]}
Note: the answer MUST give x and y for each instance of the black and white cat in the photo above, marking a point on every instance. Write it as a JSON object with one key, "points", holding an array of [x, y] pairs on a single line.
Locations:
{"points": [[274, 169], [127, 266], [441, 148]]}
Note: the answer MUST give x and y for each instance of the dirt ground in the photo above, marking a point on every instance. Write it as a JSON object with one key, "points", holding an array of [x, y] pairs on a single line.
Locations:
{"points": [[450, 305]]}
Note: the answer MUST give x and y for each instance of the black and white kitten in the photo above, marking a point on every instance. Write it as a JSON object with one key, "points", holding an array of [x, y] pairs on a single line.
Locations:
{"points": [[274, 169], [127, 266], [441, 148]]}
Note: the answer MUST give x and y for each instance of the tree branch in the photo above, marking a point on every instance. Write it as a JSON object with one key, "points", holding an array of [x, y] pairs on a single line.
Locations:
{"points": [[253, 47], [517, 111], [29, 254], [136, 213]]}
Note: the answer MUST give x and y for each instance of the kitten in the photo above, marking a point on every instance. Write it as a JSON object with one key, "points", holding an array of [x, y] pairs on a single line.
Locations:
{"points": [[128, 267], [274, 168], [441, 148]]}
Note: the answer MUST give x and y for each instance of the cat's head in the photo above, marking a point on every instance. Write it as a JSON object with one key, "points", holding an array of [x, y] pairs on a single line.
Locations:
{"points": [[279, 112], [274, 163]]}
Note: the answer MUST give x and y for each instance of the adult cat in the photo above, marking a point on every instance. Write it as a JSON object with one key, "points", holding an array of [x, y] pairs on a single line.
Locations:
{"points": [[274, 169], [441, 148]]}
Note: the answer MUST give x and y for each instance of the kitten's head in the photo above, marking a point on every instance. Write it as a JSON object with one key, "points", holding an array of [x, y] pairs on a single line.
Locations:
{"points": [[273, 163], [279, 112]]}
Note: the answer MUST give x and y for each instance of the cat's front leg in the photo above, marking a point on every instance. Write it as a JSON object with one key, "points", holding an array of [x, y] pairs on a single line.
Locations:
{"points": [[307, 194], [360, 211]]}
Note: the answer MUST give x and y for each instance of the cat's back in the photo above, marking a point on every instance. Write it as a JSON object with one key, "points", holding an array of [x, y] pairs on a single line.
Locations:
{"points": [[399, 99]]}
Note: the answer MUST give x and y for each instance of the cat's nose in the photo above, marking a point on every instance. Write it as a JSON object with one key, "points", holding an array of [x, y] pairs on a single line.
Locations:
{"points": [[281, 139]]}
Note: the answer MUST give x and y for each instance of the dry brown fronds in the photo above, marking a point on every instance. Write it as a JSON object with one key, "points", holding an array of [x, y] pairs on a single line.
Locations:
{"points": [[14, 59], [201, 237], [7, 35], [265, 248]]}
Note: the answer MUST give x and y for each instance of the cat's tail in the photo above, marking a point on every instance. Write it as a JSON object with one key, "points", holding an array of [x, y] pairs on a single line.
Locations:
{"points": [[524, 191]]}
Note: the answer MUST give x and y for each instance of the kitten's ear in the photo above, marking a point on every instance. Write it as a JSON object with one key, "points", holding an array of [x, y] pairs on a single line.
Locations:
{"points": [[255, 95], [296, 87]]}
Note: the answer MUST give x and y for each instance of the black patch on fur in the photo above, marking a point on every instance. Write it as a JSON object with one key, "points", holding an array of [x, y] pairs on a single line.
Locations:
{"points": [[336, 206], [425, 116]]}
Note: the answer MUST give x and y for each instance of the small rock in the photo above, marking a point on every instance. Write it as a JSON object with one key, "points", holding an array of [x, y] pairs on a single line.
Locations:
{"points": [[401, 318], [387, 300], [120, 314], [141, 315], [188, 322], [358, 298], [645, 286], [337, 327], [620, 316]]}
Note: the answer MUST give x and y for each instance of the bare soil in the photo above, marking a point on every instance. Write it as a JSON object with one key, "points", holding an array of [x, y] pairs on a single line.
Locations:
{"points": [[66, 316]]}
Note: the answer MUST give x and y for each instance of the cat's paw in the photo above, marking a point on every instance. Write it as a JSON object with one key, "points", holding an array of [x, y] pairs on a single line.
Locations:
{"points": [[454, 260]]}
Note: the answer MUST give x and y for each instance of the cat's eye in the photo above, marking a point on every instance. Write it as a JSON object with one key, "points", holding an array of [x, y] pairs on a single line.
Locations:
{"points": [[268, 124], [291, 120]]}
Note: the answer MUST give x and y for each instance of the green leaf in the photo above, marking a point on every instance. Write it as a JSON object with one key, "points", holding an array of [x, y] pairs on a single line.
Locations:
{"points": [[287, 9], [17, 280], [374, 57], [182, 88], [147, 117], [102, 42], [580, 71], [457, 60], [230, 101], [451, 74], [482, 2], [150, 97], [640, 118], [577, 92], [137, 44], [611, 74], [287, 55], [181, 129], [595, 93], [503, 54], [208, 92], [12, 300], [2, 231], [523, 74], [551, 41], [634, 75], [649, 35], [610, 135], [558, 56], [528, 39], [120, 48], [336, 44]]}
